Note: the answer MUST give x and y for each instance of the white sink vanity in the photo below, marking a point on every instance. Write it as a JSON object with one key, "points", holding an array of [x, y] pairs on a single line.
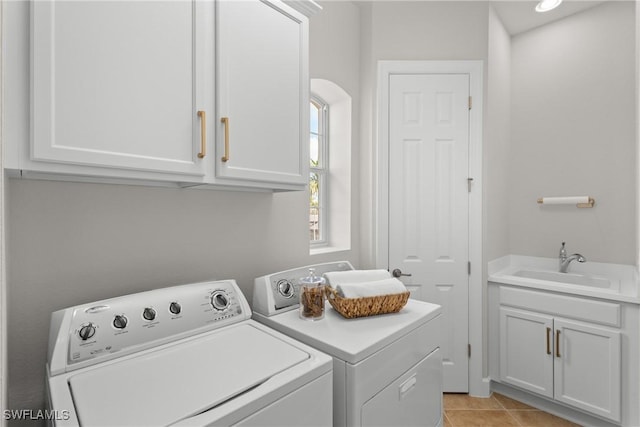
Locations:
{"points": [[566, 342]]}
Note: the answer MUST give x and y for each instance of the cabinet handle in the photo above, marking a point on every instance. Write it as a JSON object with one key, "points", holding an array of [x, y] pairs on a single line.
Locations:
{"points": [[548, 341], [225, 121], [203, 134], [557, 342]]}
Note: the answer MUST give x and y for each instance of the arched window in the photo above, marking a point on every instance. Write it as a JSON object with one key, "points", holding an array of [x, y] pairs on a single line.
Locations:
{"points": [[330, 168]]}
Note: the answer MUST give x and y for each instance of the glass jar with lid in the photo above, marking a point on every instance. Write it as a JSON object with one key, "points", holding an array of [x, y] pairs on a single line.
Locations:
{"points": [[312, 296]]}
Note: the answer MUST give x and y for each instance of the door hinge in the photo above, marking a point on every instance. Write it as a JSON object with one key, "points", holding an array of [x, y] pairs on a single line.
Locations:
{"points": [[469, 268], [469, 350], [470, 103], [469, 181]]}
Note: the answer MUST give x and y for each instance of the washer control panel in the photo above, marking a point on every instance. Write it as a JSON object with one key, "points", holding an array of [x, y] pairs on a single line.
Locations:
{"points": [[280, 291], [110, 328]]}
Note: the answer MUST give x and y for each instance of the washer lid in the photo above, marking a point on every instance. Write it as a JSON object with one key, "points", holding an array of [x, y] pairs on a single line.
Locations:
{"points": [[165, 386]]}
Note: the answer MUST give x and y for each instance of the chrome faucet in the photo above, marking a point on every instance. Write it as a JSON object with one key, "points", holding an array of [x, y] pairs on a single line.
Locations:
{"points": [[566, 260]]}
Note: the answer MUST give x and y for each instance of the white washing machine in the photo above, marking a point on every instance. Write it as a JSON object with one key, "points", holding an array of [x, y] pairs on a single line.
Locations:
{"points": [[185, 355], [387, 369]]}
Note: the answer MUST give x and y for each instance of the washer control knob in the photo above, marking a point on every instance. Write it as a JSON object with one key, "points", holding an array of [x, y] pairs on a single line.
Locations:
{"points": [[87, 331], [285, 288], [120, 321], [175, 308], [219, 300], [149, 314]]}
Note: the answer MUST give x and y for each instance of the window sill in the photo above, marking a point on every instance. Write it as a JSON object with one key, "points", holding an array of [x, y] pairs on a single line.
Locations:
{"points": [[320, 250]]}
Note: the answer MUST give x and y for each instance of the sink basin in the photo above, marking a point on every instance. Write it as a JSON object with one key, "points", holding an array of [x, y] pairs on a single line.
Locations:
{"points": [[618, 282], [566, 278]]}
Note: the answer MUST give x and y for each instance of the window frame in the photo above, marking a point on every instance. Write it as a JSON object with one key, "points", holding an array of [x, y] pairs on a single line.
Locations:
{"points": [[322, 170]]}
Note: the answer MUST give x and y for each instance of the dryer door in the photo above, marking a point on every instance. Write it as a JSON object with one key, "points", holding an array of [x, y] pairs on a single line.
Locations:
{"points": [[415, 398]]}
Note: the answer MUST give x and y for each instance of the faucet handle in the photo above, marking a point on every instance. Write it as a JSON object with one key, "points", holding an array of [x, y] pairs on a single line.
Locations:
{"points": [[563, 251]]}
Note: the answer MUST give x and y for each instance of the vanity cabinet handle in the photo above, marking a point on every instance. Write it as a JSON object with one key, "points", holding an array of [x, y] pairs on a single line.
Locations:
{"points": [[548, 340], [557, 343], [225, 122], [203, 134]]}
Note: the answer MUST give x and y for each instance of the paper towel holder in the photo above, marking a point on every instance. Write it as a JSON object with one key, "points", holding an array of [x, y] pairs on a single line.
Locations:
{"points": [[568, 201]]}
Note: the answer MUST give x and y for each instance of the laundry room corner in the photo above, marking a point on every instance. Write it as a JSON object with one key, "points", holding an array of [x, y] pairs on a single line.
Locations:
{"points": [[74, 242]]}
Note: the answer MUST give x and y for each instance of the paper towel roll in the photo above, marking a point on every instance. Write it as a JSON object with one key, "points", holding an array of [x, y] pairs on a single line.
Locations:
{"points": [[574, 200]]}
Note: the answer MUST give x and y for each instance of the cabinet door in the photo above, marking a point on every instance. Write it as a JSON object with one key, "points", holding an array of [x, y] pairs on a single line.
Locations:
{"points": [[263, 91], [526, 350], [587, 368], [114, 83]]}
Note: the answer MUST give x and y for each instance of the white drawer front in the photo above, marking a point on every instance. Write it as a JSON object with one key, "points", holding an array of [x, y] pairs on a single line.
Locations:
{"points": [[605, 313]]}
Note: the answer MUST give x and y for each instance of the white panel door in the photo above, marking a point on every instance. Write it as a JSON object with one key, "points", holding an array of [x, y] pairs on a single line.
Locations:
{"points": [[429, 202], [114, 83], [526, 350], [262, 86], [587, 368]]}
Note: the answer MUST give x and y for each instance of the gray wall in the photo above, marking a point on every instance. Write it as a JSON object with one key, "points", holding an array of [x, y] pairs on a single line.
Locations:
{"points": [[71, 243], [573, 133], [497, 141], [495, 159]]}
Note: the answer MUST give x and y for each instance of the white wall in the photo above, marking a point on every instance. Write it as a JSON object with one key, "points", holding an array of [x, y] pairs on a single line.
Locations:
{"points": [[573, 133], [70, 243], [496, 149]]}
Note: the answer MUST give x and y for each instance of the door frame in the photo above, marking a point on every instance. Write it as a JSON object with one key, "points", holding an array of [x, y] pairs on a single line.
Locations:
{"points": [[478, 384]]}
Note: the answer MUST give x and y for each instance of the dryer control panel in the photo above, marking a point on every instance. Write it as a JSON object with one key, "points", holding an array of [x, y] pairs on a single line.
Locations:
{"points": [[279, 292], [103, 330]]}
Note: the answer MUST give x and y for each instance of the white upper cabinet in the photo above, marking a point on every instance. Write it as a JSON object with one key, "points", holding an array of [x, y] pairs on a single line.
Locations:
{"points": [[263, 92], [119, 84], [115, 91]]}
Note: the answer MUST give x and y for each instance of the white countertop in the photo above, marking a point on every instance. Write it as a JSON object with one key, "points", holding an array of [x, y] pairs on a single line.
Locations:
{"points": [[623, 278]]}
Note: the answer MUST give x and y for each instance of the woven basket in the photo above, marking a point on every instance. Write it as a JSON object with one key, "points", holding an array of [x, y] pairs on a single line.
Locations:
{"points": [[366, 306]]}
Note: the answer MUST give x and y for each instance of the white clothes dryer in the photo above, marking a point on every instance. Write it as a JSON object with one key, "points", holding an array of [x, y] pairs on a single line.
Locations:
{"points": [[387, 369], [184, 355]]}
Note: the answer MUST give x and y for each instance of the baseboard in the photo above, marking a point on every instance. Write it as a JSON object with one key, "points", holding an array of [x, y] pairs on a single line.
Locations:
{"points": [[480, 388]]}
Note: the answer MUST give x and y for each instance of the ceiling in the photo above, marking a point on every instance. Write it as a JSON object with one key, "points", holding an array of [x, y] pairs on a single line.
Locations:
{"points": [[519, 15]]}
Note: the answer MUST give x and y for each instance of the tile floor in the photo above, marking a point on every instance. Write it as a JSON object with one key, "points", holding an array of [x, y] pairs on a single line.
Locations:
{"points": [[461, 410]]}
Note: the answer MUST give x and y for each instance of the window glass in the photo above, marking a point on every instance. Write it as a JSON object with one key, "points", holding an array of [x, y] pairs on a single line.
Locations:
{"points": [[313, 150], [318, 146], [314, 206], [314, 117]]}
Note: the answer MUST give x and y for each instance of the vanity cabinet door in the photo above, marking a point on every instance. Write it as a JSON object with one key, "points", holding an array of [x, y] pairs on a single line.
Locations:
{"points": [[118, 85], [263, 92], [587, 367], [526, 350]]}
